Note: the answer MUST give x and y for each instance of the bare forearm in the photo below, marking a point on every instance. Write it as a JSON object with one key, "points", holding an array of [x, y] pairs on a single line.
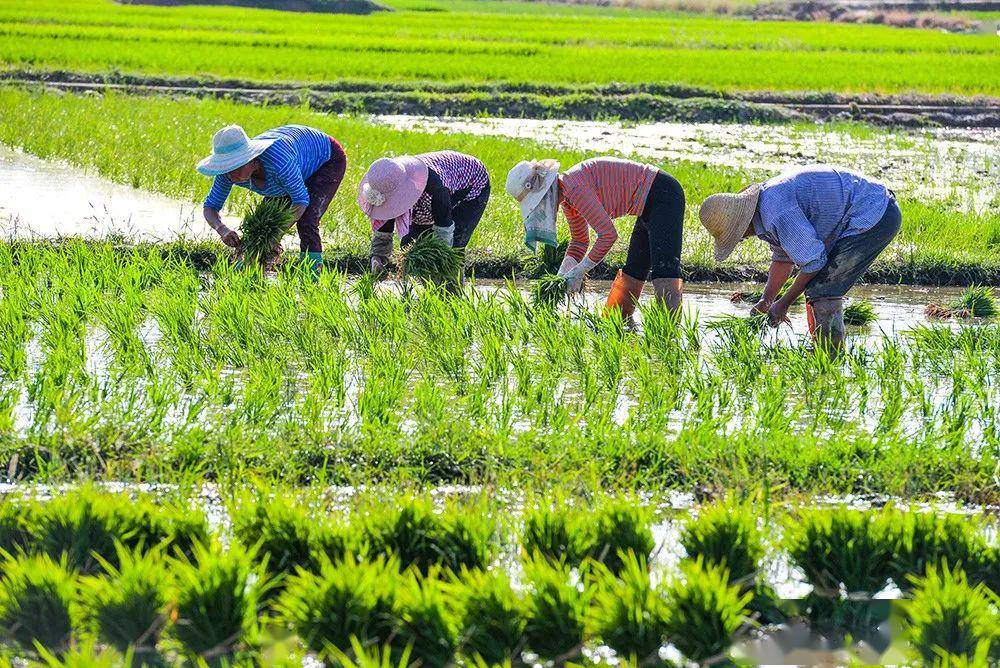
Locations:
{"points": [[798, 286], [299, 209], [777, 274], [213, 218]]}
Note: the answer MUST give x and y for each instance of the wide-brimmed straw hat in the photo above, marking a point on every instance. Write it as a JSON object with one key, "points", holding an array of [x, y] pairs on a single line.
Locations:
{"points": [[727, 216], [391, 187], [231, 148], [528, 182]]}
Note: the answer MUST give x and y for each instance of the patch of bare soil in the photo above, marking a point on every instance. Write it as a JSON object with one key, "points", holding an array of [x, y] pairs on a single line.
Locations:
{"points": [[932, 14]]}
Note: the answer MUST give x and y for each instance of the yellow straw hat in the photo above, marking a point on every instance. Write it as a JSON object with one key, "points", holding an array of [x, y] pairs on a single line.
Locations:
{"points": [[727, 216]]}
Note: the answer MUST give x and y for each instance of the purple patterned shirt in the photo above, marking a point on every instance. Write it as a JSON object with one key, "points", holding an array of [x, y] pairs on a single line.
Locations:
{"points": [[463, 175]]}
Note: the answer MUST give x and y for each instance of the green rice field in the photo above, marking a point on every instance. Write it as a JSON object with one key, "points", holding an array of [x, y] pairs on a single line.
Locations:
{"points": [[479, 42]]}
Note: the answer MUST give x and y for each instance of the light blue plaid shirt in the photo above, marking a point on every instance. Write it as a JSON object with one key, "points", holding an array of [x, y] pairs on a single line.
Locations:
{"points": [[803, 212]]}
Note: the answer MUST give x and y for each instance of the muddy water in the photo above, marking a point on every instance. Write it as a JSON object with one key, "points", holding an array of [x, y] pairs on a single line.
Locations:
{"points": [[960, 166], [41, 198]]}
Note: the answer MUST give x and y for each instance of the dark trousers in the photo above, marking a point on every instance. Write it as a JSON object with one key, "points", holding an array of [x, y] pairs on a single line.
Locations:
{"points": [[654, 251], [466, 216], [850, 257], [322, 186]]}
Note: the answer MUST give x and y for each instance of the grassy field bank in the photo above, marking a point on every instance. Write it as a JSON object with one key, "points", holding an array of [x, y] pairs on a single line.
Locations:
{"points": [[473, 43], [127, 365], [153, 143]]}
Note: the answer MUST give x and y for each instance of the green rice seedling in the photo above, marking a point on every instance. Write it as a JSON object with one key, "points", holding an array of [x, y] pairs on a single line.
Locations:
{"points": [[217, 594], [37, 597], [546, 260], [921, 541], [704, 612], [415, 532], [287, 534], [427, 624], [264, 225], [629, 615], [432, 260], [948, 617], [726, 534], [976, 301], [359, 655], [15, 526], [616, 528], [555, 611], [85, 654], [343, 602], [555, 533], [733, 328], [755, 295], [860, 313], [492, 617], [548, 291], [128, 608]]}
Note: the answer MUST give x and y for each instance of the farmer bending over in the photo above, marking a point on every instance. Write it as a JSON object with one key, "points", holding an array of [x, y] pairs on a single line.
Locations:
{"points": [[299, 164], [443, 191], [592, 195], [829, 223]]}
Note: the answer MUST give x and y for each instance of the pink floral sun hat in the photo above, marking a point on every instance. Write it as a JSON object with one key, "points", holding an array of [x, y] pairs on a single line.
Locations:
{"points": [[392, 187]]}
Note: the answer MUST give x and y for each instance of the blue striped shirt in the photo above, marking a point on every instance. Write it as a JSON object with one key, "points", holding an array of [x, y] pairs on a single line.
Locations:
{"points": [[297, 152], [803, 212]]}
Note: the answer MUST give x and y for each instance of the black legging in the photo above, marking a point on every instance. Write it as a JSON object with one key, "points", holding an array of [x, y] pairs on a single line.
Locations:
{"points": [[654, 251], [466, 216]]}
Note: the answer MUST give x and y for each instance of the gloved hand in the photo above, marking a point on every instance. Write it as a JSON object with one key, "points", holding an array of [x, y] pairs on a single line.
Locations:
{"points": [[574, 277], [379, 266], [567, 264], [445, 234]]}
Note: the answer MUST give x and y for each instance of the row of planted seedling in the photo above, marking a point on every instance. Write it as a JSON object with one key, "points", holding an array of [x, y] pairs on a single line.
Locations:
{"points": [[446, 579]]}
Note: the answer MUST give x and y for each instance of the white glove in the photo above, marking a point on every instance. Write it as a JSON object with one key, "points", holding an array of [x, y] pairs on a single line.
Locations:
{"points": [[445, 234], [574, 277], [567, 264]]}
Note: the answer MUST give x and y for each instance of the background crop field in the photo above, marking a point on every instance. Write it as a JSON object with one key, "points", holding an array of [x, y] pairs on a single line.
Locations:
{"points": [[157, 141], [477, 42]]}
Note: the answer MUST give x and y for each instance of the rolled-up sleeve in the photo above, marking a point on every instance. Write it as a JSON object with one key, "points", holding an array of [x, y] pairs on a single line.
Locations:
{"points": [[219, 193], [798, 240]]}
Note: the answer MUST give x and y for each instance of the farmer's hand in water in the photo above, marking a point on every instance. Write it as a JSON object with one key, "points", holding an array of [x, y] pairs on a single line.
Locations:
{"points": [[778, 313], [760, 308], [379, 266], [231, 238]]}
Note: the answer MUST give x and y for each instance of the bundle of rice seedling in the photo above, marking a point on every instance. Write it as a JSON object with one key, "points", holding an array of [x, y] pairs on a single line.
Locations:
{"points": [[860, 313], [433, 260], [548, 291], [754, 296], [263, 227], [37, 597], [546, 260], [976, 302]]}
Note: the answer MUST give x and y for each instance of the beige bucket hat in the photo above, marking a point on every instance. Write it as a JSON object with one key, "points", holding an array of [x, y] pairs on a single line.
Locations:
{"points": [[529, 181], [727, 216]]}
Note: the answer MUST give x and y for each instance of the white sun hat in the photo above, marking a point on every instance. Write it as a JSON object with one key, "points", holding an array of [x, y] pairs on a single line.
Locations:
{"points": [[529, 181], [231, 148], [727, 216]]}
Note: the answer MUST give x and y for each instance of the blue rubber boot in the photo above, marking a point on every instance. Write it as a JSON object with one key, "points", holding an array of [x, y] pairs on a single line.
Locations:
{"points": [[313, 260]]}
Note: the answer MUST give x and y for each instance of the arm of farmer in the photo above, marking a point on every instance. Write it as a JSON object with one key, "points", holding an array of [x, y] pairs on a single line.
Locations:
{"points": [[289, 177], [777, 275], [216, 199], [591, 213], [800, 244], [381, 247], [444, 226]]}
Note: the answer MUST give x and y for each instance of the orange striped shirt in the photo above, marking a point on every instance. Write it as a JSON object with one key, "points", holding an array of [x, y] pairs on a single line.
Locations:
{"points": [[597, 191]]}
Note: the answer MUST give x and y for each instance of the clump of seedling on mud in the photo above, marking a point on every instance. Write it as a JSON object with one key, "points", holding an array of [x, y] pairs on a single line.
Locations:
{"points": [[977, 301], [860, 314], [264, 226], [430, 259]]}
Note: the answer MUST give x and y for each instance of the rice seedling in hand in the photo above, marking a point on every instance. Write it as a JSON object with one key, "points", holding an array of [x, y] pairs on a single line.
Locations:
{"points": [[860, 313], [343, 602], [948, 618], [554, 533], [546, 260], [629, 615], [556, 610], [548, 291], [492, 617], [37, 598], [705, 612], [128, 608], [419, 536], [426, 621], [922, 541], [217, 594], [615, 529], [977, 301], [433, 260], [264, 225], [726, 534]]}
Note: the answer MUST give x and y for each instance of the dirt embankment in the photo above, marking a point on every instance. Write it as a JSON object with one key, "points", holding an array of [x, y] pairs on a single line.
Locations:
{"points": [[322, 6], [639, 102], [932, 14]]}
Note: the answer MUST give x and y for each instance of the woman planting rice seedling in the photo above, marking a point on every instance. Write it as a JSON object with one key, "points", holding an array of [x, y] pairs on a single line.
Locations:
{"points": [[830, 224], [443, 191], [592, 194], [294, 163]]}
